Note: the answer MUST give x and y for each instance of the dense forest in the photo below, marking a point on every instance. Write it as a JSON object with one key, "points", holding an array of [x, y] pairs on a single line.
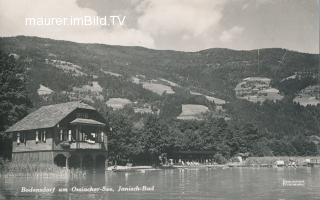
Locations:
{"points": [[129, 141], [14, 102]]}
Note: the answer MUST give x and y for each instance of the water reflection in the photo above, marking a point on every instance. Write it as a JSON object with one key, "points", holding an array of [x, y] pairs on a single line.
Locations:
{"points": [[233, 183]]}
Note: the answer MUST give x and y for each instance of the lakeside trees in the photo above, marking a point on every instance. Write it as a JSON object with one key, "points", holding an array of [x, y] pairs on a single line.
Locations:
{"points": [[14, 102], [157, 136]]}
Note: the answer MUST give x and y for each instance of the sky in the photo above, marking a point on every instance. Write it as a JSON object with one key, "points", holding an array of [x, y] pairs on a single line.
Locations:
{"points": [[185, 25]]}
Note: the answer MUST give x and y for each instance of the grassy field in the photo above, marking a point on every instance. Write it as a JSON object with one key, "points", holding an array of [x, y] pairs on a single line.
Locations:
{"points": [[308, 96], [257, 89], [93, 87], [173, 84], [158, 88], [192, 111], [67, 67], [118, 103], [43, 90], [112, 73], [217, 101]]}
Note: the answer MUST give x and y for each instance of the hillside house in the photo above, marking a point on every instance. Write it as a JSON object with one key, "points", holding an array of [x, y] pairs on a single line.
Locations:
{"points": [[69, 135]]}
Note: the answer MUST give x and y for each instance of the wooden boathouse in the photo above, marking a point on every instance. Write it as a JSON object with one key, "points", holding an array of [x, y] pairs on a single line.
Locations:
{"points": [[71, 135]]}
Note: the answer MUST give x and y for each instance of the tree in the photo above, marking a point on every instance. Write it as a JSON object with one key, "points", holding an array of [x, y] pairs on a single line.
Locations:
{"points": [[124, 142], [14, 101], [155, 137]]}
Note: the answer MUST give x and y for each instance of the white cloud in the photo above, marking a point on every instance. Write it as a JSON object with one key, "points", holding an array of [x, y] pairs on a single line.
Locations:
{"points": [[172, 17], [231, 34], [166, 24], [245, 6], [187, 25], [265, 1], [12, 22]]}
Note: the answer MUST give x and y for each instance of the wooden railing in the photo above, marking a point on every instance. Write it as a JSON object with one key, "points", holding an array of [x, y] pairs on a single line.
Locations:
{"points": [[86, 145]]}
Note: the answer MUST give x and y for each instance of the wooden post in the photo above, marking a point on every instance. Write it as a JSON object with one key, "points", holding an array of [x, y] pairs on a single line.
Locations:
{"points": [[106, 164], [105, 141], [101, 136], [67, 162], [81, 161], [94, 157], [53, 135], [70, 135], [77, 137]]}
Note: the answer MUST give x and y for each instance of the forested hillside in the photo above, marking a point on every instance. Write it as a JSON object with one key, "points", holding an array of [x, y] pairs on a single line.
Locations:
{"points": [[150, 97]]}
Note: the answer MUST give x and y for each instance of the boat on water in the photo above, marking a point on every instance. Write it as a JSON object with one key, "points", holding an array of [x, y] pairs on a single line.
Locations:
{"points": [[193, 166], [119, 168], [188, 166]]}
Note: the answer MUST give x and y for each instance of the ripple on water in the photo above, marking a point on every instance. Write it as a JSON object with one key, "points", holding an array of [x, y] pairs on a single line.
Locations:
{"points": [[200, 184]]}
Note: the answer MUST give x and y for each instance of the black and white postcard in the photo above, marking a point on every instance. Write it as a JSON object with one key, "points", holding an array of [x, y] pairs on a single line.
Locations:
{"points": [[159, 99]]}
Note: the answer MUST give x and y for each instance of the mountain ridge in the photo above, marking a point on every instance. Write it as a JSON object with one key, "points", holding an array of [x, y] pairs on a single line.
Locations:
{"points": [[244, 91], [164, 50]]}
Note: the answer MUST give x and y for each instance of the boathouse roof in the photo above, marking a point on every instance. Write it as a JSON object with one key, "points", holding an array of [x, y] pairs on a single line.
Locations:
{"points": [[87, 121], [47, 116]]}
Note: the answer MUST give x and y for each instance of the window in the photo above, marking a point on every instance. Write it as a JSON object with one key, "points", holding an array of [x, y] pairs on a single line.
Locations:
{"points": [[37, 136], [21, 138], [69, 135], [90, 138], [41, 136], [18, 138], [61, 135], [102, 136]]}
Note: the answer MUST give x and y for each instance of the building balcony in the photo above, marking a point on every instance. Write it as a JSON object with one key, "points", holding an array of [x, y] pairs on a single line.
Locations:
{"points": [[87, 145]]}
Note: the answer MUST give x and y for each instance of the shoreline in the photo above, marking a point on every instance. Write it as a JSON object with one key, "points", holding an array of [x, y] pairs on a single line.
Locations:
{"points": [[250, 162], [69, 174]]}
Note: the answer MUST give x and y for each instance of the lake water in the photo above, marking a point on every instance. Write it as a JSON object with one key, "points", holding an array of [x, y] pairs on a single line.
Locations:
{"points": [[219, 184]]}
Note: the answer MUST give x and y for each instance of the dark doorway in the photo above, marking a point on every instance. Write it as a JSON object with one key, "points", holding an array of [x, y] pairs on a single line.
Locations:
{"points": [[100, 162], [74, 161], [87, 162], [60, 160]]}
